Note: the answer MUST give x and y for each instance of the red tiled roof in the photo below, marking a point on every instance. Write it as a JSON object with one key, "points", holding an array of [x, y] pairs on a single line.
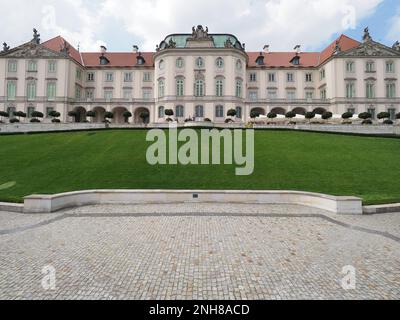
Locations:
{"points": [[117, 59], [282, 59], [57, 43], [345, 43]]}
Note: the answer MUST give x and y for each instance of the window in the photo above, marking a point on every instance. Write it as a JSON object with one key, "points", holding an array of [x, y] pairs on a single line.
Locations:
{"points": [[179, 112], [271, 77], [90, 76], [12, 66], [161, 88], [161, 65], [30, 111], [390, 90], [370, 66], [11, 90], [199, 88], [48, 111], [238, 88], [179, 63], [90, 94], [392, 112], [109, 77], [370, 90], [308, 77], [52, 67], [180, 87], [323, 94], [51, 90], [219, 90], [372, 112], [161, 112], [309, 95], [147, 94], [239, 65], [271, 94], [350, 67], [146, 77], [239, 112], [253, 95], [127, 94], [253, 77], [389, 67], [108, 95], [350, 90], [219, 111], [199, 63], [78, 74], [128, 77], [31, 91], [220, 63], [290, 77], [11, 111], [199, 112], [291, 95], [78, 92], [32, 66], [322, 74]]}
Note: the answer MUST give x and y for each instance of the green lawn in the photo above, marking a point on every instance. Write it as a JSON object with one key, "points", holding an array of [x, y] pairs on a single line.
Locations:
{"points": [[334, 164]]}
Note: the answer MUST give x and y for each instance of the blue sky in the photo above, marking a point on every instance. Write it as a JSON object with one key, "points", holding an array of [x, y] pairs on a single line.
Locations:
{"points": [[119, 24]]}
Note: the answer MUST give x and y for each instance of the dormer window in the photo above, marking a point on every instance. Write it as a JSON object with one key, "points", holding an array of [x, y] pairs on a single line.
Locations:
{"points": [[295, 61], [140, 60], [260, 60], [104, 61]]}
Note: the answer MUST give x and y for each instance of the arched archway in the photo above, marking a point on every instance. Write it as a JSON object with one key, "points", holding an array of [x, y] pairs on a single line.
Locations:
{"points": [[300, 111], [100, 112], [260, 111], [278, 110], [119, 115], [319, 111], [137, 116], [81, 114]]}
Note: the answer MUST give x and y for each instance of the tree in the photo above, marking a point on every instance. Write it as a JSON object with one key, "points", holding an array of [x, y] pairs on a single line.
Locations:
{"points": [[91, 114], [36, 115], [388, 122], [169, 112], [108, 116], [54, 114], [365, 116], [73, 114], [272, 115], [231, 113], [327, 115], [127, 115], [20, 115], [144, 115], [309, 116], [347, 115], [367, 122], [383, 115], [4, 114], [290, 115], [254, 114]]}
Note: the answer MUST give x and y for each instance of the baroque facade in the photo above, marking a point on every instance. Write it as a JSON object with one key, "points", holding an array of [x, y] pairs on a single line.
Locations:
{"points": [[198, 75]]}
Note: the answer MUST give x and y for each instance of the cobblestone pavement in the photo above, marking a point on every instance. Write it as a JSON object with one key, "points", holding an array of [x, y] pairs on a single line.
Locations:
{"points": [[199, 251]]}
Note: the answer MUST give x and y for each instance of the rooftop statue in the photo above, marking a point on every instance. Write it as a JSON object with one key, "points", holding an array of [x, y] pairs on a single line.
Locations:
{"points": [[36, 36], [5, 47], [200, 34], [367, 36]]}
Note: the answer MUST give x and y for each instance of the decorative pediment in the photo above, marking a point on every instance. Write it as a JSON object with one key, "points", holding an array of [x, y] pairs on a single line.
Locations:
{"points": [[370, 49], [31, 50]]}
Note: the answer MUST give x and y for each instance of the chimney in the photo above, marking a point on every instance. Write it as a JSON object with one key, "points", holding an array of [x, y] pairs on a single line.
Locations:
{"points": [[266, 48], [297, 48], [135, 48]]}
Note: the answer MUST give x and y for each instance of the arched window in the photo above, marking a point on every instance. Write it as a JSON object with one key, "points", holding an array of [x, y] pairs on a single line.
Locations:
{"points": [[219, 88], [199, 88], [199, 112], [180, 87], [239, 88], [31, 90], [10, 110], [200, 63], [11, 90], [179, 111], [161, 88], [239, 112], [179, 63], [161, 112], [219, 111], [162, 65], [220, 63], [239, 65]]}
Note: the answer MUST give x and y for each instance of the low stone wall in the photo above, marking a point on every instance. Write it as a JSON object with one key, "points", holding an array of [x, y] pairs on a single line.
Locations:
{"points": [[52, 203], [354, 129], [48, 127], [11, 207]]}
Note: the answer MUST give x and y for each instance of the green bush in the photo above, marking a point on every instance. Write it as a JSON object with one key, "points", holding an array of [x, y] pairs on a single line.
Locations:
{"points": [[108, 115], [347, 115], [169, 112], [272, 115], [91, 114], [207, 120], [73, 114], [367, 122], [229, 121], [14, 120], [398, 116], [290, 115], [4, 114], [327, 115], [365, 115], [310, 115], [388, 122], [254, 114], [20, 114], [34, 120], [127, 115], [383, 115], [56, 121], [37, 114], [144, 115], [232, 113]]}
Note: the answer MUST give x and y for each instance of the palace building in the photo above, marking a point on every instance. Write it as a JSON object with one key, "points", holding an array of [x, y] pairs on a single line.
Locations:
{"points": [[197, 75]]}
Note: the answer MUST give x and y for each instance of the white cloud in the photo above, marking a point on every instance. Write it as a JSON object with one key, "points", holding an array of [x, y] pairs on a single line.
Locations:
{"points": [[280, 23], [394, 31]]}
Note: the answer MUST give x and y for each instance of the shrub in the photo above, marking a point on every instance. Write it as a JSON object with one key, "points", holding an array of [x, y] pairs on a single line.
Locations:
{"points": [[290, 115], [34, 120], [254, 114], [388, 122], [14, 120], [207, 120], [4, 114], [73, 114], [91, 114], [169, 112], [327, 115], [127, 115], [232, 113], [398, 116], [383, 115], [367, 122], [347, 115], [56, 121], [229, 121], [20, 114], [310, 115], [144, 115], [365, 115], [37, 114], [272, 115], [169, 120], [108, 115]]}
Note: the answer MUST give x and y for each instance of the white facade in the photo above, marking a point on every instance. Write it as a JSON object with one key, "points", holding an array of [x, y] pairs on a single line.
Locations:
{"points": [[199, 76]]}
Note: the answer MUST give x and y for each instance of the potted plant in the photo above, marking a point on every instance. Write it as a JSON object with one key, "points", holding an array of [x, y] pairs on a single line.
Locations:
{"points": [[309, 116], [126, 116], [55, 115], [36, 115], [20, 115], [383, 116], [327, 115], [290, 115], [91, 114]]}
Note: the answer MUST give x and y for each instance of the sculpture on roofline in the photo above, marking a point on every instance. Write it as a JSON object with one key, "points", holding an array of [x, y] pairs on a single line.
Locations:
{"points": [[5, 47], [367, 36]]}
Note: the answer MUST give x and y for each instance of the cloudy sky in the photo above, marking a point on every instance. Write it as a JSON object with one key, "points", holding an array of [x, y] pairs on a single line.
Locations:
{"points": [[119, 24]]}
